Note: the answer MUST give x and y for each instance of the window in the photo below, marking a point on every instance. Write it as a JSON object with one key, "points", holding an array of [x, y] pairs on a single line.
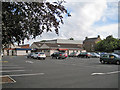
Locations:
{"points": [[112, 56], [105, 56], [26, 51]]}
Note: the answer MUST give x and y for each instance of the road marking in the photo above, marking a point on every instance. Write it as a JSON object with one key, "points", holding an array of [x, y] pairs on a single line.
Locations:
{"points": [[105, 73], [11, 67], [8, 82], [7, 65], [18, 75], [12, 70], [4, 61], [29, 62]]}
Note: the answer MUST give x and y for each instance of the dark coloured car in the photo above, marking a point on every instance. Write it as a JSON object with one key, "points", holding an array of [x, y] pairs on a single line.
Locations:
{"points": [[73, 54], [110, 58], [59, 55], [30, 55], [84, 55]]}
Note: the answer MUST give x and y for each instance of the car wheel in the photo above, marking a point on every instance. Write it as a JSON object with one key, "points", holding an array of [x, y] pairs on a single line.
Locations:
{"points": [[59, 58], [37, 57], [43, 58], [118, 62], [56, 57], [103, 62]]}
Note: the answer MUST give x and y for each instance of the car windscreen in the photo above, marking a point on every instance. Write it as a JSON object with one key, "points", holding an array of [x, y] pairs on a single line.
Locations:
{"points": [[41, 53]]}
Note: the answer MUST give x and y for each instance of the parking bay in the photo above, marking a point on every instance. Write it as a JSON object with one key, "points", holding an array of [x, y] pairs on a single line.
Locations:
{"points": [[64, 73]]}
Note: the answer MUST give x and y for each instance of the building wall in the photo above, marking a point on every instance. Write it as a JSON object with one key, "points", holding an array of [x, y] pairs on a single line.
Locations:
{"points": [[90, 45], [5, 52], [22, 52]]}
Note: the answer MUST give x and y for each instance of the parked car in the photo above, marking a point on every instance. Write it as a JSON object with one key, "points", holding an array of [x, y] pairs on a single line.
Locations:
{"points": [[73, 54], [59, 55], [39, 55], [1, 54], [30, 55], [95, 55], [110, 58], [84, 55]]}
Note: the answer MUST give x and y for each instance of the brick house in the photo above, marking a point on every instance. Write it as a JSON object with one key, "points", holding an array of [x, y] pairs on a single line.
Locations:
{"points": [[89, 43]]}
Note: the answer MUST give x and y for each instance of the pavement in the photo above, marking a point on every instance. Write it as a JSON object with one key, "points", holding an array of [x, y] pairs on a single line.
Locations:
{"points": [[72, 72]]}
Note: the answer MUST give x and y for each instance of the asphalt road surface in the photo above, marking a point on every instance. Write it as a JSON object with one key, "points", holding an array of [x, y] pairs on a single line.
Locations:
{"points": [[72, 72]]}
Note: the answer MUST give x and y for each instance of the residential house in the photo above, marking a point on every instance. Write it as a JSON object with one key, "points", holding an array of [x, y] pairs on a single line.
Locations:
{"points": [[89, 43]]}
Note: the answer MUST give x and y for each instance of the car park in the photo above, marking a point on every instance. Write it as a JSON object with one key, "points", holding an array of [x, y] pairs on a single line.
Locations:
{"points": [[73, 54], [39, 55], [84, 55], [95, 55], [59, 55], [110, 58]]}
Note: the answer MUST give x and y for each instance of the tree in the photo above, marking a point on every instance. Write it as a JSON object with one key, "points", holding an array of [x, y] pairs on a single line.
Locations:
{"points": [[25, 20], [108, 45], [71, 38]]}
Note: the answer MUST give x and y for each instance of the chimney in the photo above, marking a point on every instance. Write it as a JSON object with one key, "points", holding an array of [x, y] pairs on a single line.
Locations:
{"points": [[86, 37], [98, 36]]}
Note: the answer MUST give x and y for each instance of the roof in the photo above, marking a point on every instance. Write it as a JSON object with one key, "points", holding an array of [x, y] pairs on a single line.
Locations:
{"points": [[60, 43], [39, 44], [91, 39], [64, 41], [67, 46], [24, 46]]}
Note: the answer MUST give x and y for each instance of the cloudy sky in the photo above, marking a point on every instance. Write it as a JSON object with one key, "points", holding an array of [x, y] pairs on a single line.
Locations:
{"points": [[90, 19]]}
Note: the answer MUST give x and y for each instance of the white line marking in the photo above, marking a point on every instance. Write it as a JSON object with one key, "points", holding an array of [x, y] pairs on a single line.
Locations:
{"points": [[12, 70], [8, 82], [105, 73], [12, 79], [11, 67], [8, 65], [29, 62], [18, 75]]}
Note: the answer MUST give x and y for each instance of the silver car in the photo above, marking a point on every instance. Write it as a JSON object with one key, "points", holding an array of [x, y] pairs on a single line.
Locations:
{"points": [[39, 55]]}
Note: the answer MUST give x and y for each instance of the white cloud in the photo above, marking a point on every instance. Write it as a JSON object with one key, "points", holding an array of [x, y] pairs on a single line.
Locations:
{"points": [[111, 29], [80, 24]]}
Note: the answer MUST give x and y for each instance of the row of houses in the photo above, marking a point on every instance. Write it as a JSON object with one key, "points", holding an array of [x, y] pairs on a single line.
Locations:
{"points": [[51, 46]]}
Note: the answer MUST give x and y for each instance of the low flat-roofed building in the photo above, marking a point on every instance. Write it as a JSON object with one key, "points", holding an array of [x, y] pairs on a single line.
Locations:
{"points": [[63, 45], [16, 50]]}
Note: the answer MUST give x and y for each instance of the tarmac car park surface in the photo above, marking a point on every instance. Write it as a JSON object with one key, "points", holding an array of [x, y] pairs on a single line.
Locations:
{"points": [[72, 72]]}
